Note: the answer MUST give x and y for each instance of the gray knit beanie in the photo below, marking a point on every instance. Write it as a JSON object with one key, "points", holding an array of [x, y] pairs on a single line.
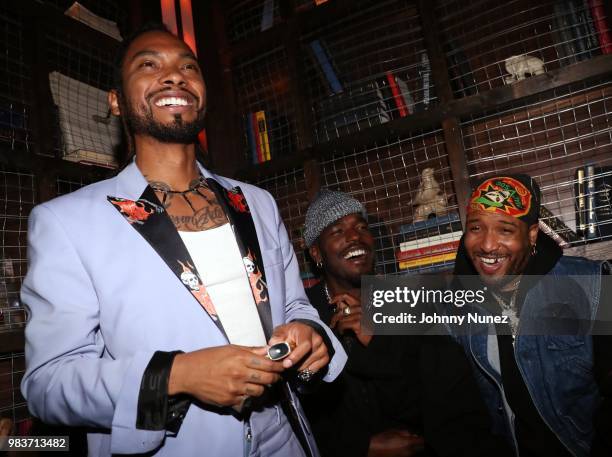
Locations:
{"points": [[327, 208]]}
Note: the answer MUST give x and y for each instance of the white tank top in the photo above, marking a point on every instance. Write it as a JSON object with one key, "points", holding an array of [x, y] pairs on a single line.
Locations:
{"points": [[221, 268]]}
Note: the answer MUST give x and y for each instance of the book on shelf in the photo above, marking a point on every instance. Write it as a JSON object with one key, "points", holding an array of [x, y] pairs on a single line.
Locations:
{"points": [[425, 72], [591, 222], [430, 232], [556, 228], [593, 194], [405, 94], [267, 15], [428, 260], [588, 25], [442, 267], [447, 218], [324, 64], [262, 134], [416, 253], [563, 35], [600, 22], [353, 110], [398, 100], [598, 196], [397, 96], [580, 193], [431, 241], [258, 137], [577, 30], [603, 201]]}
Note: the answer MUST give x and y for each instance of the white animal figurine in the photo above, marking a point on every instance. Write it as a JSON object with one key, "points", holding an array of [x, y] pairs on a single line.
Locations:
{"points": [[521, 66], [429, 198]]}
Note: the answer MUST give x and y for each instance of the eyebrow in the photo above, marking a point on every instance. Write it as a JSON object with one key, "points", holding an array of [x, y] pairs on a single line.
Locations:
{"points": [[149, 52], [478, 221]]}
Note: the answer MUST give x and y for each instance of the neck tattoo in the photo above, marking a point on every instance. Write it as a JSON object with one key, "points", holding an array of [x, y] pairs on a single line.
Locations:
{"points": [[194, 188]]}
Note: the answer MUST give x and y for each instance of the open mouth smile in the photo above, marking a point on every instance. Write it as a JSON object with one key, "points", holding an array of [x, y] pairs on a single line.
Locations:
{"points": [[491, 264], [175, 101], [172, 101]]}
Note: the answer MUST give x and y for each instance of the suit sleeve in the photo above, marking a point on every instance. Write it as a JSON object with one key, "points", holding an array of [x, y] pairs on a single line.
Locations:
{"points": [[70, 377], [297, 306]]}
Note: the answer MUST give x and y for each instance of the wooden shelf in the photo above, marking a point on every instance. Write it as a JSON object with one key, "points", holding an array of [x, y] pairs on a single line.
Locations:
{"points": [[431, 119]]}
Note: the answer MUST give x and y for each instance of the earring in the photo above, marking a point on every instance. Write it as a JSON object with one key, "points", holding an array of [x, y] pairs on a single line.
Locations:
{"points": [[534, 251], [320, 264]]}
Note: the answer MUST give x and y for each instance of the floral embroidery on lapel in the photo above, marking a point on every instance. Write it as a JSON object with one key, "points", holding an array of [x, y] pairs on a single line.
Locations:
{"points": [[237, 200], [197, 289], [136, 212], [258, 285]]}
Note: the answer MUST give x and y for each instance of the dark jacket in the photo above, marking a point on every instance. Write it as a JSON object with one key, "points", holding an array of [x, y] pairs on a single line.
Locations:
{"points": [[555, 371], [419, 383]]}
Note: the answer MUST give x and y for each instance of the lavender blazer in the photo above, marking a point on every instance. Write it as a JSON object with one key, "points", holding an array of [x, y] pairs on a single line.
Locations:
{"points": [[101, 301]]}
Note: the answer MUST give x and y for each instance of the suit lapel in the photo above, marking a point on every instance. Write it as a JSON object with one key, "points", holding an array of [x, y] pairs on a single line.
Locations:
{"points": [[237, 210], [149, 218], [144, 212]]}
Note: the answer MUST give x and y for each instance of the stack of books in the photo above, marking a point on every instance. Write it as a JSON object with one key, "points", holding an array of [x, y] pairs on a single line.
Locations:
{"points": [[578, 36], [593, 191], [429, 246], [257, 137]]}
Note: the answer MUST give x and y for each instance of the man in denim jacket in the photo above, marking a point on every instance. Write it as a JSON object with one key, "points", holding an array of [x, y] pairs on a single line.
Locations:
{"points": [[540, 383]]}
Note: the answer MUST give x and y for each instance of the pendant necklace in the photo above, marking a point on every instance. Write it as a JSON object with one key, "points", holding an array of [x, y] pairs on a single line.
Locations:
{"points": [[194, 188]]}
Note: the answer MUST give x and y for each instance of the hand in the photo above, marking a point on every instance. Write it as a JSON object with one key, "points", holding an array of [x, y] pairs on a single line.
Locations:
{"points": [[309, 352], [351, 322], [395, 443], [224, 375]]}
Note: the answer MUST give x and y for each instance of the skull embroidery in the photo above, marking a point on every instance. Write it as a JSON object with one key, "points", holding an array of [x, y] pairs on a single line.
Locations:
{"points": [[190, 280], [248, 263]]}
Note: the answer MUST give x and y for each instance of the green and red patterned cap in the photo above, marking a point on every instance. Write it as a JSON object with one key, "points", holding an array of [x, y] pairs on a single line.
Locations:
{"points": [[515, 195]]}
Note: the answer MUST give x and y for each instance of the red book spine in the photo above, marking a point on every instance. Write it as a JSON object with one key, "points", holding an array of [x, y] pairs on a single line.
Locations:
{"points": [[260, 153], [397, 96], [601, 25], [427, 251]]}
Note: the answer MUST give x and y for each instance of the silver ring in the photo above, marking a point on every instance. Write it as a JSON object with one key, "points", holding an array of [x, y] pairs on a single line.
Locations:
{"points": [[305, 375], [346, 311]]}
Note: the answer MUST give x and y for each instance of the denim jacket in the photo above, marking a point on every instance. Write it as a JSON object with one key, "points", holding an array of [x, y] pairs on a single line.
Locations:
{"points": [[557, 369]]}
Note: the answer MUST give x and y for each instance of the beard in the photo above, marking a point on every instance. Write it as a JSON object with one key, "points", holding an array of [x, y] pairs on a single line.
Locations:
{"points": [[177, 131]]}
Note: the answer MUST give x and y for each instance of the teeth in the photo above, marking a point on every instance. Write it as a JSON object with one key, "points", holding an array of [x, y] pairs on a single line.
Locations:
{"points": [[491, 261], [355, 253], [171, 101]]}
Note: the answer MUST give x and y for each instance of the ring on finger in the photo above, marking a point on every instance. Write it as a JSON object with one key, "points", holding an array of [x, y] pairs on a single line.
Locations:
{"points": [[346, 311], [305, 375]]}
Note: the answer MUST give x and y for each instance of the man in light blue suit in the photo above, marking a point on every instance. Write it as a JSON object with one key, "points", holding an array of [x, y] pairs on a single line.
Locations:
{"points": [[154, 295]]}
